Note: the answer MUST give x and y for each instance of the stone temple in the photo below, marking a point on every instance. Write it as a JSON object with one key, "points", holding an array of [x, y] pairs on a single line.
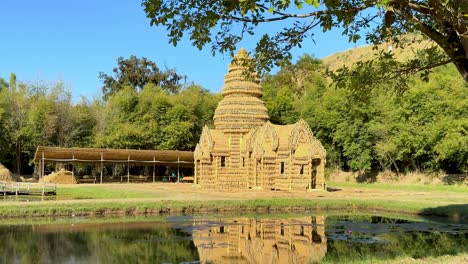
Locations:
{"points": [[246, 151]]}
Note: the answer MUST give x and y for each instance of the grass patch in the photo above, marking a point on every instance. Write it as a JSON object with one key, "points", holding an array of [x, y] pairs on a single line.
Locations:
{"points": [[67, 208], [99, 192], [147, 199]]}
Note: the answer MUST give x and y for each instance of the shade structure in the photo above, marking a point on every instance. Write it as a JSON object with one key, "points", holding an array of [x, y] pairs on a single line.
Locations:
{"points": [[182, 159]]}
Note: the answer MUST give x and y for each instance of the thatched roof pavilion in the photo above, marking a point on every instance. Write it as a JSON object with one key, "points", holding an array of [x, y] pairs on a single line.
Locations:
{"points": [[173, 158]]}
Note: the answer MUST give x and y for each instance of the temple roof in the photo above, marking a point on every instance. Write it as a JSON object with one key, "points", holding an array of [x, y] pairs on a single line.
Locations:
{"points": [[241, 108]]}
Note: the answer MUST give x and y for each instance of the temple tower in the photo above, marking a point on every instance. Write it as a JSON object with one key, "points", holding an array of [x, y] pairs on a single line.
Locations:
{"points": [[240, 111], [241, 108]]}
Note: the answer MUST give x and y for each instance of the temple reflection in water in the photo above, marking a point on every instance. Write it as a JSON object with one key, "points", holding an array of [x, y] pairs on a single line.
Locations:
{"points": [[246, 240]]}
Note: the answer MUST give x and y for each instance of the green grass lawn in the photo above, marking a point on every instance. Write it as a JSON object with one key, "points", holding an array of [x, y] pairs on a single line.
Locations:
{"points": [[100, 192], [98, 207]]}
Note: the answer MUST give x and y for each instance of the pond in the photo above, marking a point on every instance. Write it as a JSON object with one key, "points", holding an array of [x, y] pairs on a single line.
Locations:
{"points": [[306, 238]]}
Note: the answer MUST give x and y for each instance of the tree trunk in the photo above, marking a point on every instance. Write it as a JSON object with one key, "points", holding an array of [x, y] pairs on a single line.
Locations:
{"points": [[463, 69], [457, 50], [18, 157], [453, 46], [449, 36], [462, 65]]}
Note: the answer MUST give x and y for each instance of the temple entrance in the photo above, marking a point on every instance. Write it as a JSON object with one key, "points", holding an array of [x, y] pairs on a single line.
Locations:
{"points": [[313, 173]]}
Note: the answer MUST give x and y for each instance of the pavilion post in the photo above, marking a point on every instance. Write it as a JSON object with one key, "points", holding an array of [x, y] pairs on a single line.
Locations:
{"points": [[128, 169], [42, 165], [178, 176], [73, 165], [154, 168], [102, 165], [115, 172], [37, 167]]}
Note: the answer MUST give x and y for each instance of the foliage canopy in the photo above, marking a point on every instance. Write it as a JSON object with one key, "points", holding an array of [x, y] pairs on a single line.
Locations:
{"points": [[136, 73], [222, 24]]}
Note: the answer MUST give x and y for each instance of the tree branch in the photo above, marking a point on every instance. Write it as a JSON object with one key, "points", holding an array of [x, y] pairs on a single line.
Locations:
{"points": [[426, 29], [419, 69], [284, 16], [414, 6]]}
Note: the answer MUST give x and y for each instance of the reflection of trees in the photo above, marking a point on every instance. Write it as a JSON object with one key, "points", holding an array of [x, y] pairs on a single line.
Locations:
{"points": [[245, 240], [387, 238], [26, 245], [141, 246]]}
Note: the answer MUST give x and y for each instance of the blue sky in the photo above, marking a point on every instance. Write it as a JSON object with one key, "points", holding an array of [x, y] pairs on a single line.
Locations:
{"points": [[72, 41]]}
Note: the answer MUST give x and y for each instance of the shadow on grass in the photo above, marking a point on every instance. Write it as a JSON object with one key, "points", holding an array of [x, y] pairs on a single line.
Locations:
{"points": [[454, 211], [455, 178], [332, 189], [367, 177]]}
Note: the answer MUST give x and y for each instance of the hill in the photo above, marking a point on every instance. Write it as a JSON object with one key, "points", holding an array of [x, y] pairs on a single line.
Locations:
{"points": [[351, 56]]}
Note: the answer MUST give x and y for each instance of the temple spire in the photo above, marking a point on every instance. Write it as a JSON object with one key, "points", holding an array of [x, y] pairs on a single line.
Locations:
{"points": [[241, 108]]}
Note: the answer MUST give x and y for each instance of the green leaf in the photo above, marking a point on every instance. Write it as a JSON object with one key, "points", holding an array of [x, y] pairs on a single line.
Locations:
{"points": [[315, 3]]}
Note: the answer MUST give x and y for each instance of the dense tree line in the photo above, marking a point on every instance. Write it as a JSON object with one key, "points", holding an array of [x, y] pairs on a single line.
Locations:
{"points": [[152, 115], [422, 128]]}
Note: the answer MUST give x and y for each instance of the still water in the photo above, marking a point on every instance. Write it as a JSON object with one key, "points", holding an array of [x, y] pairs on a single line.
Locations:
{"points": [[228, 239]]}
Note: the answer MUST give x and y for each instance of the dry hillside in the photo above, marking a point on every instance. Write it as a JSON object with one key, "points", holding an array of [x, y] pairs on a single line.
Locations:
{"points": [[351, 56]]}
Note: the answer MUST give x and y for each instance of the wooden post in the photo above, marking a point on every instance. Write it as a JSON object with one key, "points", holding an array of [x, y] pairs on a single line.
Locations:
{"points": [[178, 175], [102, 166], [154, 168], [128, 169], [43, 166], [43, 191], [16, 191], [73, 165], [37, 168]]}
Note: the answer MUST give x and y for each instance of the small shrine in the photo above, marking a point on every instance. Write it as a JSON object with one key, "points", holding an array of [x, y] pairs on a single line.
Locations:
{"points": [[246, 151]]}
